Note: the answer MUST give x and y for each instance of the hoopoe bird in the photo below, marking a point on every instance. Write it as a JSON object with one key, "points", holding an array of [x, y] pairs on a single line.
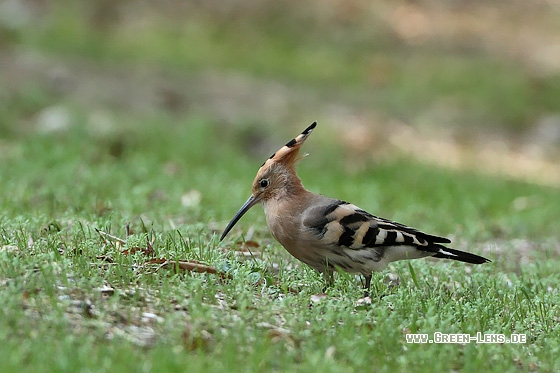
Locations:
{"points": [[329, 234]]}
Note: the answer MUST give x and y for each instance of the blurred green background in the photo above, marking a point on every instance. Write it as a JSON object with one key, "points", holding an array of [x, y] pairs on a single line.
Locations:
{"points": [[457, 83]]}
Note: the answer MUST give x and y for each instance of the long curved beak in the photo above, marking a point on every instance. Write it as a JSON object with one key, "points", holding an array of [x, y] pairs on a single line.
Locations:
{"points": [[252, 201]]}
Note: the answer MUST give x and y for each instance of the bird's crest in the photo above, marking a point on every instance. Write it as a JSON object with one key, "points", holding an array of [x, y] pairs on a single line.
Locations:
{"points": [[288, 154]]}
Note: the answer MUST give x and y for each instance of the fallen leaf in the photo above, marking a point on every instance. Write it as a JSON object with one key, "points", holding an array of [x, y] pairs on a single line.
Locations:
{"points": [[249, 243], [156, 261], [247, 255], [144, 250], [192, 266], [245, 250]]}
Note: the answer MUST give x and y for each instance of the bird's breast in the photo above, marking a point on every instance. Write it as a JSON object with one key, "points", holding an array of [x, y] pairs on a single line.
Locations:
{"points": [[285, 223], [281, 221]]}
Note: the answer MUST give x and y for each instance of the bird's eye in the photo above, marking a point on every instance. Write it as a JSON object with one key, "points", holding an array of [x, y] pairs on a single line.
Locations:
{"points": [[264, 183]]}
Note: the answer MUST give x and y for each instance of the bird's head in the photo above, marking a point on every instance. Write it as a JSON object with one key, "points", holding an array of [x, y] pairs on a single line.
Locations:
{"points": [[275, 178]]}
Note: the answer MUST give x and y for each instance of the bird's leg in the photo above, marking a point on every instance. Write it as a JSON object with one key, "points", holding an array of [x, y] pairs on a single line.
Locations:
{"points": [[329, 279], [367, 285]]}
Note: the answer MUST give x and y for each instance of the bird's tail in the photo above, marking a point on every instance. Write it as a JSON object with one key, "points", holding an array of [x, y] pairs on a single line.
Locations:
{"points": [[462, 256]]}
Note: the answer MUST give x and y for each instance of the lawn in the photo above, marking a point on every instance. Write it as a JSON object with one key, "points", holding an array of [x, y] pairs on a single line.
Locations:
{"points": [[74, 299], [127, 144]]}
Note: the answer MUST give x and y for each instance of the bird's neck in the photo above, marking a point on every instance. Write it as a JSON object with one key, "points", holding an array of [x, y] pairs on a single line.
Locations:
{"points": [[291, 200], [283, 215]]}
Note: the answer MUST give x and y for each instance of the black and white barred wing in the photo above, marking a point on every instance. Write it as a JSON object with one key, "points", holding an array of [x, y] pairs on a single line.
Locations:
{"points": [[347, 226]]}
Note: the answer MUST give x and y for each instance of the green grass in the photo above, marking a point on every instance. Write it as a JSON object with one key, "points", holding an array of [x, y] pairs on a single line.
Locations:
{"points": [[57, 188]]}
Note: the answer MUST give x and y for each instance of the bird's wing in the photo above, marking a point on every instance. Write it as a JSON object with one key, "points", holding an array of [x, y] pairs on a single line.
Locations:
{"points": [[343, 224]]}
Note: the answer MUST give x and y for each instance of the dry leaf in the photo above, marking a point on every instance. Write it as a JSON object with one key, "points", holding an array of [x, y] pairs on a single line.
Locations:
{"points": [[192, 266], [156, 261], [189, 266], [245, 250], [144, 250], [245, 245]]}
